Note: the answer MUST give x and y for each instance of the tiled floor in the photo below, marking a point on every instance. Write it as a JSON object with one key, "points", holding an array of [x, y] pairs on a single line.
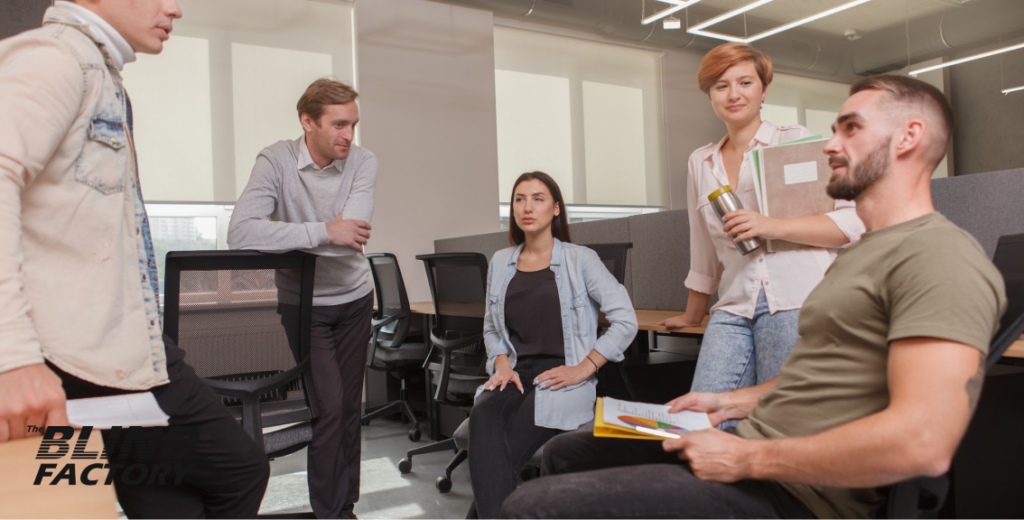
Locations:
{"points": [[384, 492]]}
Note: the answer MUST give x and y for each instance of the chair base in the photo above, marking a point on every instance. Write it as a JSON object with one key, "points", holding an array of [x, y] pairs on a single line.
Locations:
{"points": [[393, 407]]}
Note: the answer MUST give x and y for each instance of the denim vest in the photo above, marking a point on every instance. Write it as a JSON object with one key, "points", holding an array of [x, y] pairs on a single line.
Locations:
{"points": [[584, 286]]}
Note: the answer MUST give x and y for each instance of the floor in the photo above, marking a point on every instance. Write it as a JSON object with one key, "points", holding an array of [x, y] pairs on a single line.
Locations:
{"points": [[384, 492]]}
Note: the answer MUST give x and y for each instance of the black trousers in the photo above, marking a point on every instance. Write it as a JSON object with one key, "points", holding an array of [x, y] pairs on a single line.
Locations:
{"points": [[225, 474], [593, 477], [503, 436], [339, 341]]}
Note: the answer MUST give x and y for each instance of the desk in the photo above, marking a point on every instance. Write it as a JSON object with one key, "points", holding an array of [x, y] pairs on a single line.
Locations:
{"points": [[20, 499], [1016, 350]]}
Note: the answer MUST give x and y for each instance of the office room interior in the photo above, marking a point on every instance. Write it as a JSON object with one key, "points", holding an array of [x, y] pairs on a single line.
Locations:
{"points": [[458, 98]]}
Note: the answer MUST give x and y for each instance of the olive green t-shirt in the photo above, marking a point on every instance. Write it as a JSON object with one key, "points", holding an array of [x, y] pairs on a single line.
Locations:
{"points": [[921, 278]]}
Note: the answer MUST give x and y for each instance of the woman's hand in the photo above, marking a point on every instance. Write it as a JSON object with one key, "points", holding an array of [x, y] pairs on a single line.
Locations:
{"points": [[678, 322], [501, 378], [744, 224], [563, 376]]}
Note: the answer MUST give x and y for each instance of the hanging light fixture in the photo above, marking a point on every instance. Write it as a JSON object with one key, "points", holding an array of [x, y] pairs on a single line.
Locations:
{"points": [[1013, 89], [677, 5]]}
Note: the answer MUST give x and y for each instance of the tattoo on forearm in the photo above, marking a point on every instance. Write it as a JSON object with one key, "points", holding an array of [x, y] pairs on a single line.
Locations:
{"points": [[973, 385]]}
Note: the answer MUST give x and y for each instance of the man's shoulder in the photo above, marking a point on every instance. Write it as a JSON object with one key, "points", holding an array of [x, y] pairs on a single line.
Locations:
{"points": [[362, 155], [59, 38], [281, 152], [940, 236]]}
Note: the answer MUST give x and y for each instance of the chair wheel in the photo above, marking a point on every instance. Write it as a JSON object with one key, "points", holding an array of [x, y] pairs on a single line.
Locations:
{"points": [[404, 466], [443, 484], [414, 435]]}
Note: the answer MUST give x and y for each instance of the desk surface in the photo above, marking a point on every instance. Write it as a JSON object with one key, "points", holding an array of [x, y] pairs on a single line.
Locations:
{"points": [[1016, 350], [648, 320], [21, 499]]}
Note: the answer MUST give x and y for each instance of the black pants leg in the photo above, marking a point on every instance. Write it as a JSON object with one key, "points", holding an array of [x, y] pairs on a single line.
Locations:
{"points": [[503, 437], [227, 474], [590, 477], [339, 340]]}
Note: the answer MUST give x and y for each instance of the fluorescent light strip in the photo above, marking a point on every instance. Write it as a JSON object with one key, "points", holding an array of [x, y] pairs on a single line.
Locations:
{"points": [[1014, 89], [726, 16], [678, 5], [809, 19], [699, 28], [969, 58]]}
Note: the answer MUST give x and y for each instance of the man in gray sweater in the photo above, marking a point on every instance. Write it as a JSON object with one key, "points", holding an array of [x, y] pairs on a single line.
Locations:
{"points": [[316, 194]]}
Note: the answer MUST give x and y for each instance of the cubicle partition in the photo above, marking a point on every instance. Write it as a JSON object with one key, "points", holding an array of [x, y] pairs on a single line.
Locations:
{"points": [[987, 205]]}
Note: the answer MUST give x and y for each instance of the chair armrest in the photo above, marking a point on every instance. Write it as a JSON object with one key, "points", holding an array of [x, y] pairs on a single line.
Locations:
{"points": [[377, 325], [249, 392], [911, 498]]}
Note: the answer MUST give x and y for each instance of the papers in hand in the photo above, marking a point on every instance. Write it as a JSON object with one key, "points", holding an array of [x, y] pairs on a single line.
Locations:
{"points": [[103, 413], [630, 420]]}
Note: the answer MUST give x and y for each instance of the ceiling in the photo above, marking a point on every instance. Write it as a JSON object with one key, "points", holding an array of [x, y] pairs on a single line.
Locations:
{"points": [[870, 17]]}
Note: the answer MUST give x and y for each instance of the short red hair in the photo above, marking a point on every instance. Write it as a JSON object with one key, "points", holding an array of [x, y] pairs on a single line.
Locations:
{"points": [[719, 59]]}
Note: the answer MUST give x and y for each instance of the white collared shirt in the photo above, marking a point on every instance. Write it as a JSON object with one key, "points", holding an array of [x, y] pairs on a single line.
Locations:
{"points": [[787, 277], [116, 45], [305, 160]]}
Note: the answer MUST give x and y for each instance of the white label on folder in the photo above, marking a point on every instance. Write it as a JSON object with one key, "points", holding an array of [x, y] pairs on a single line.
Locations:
{"points": [[801, 172]]}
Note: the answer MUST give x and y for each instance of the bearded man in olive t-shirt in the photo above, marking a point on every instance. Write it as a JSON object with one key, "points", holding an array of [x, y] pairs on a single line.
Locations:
{"points": [[882, 382]]}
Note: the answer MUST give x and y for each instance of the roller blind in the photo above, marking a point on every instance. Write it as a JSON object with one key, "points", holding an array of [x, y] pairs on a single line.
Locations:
{"points": [[588, 113]]}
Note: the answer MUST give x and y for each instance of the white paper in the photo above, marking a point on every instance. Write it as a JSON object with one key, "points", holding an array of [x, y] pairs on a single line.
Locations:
{"points": [[801, 172], [103, 413], [681, 422]]}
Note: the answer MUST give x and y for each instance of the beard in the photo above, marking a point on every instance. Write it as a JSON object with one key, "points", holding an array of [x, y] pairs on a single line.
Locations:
{"points": [[864, 174]]}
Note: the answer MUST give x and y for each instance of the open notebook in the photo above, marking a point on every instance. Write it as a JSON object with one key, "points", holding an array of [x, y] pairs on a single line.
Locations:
{"points": [[630, 420]]}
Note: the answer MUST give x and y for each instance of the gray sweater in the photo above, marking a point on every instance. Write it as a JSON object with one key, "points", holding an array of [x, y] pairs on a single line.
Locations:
{"points": [[286, 206]]}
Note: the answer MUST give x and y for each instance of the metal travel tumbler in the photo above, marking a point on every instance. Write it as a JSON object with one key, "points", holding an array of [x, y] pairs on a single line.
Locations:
{"points": [[724, 201]]}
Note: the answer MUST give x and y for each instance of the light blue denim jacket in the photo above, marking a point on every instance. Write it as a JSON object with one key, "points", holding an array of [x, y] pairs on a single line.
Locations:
{"points": [[584, 286]]}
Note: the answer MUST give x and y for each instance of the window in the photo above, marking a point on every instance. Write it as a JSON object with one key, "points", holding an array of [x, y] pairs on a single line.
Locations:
{"points": [[587, 113], [186, 227]]}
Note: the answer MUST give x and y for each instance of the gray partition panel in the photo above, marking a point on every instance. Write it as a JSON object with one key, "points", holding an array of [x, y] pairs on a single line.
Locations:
{"points": [[612, 231], [987, 205], [485, 244], [661, 259]]}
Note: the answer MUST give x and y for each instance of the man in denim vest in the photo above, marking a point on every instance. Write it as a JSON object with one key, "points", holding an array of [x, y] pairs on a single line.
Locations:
{"points": [[79, 309]]}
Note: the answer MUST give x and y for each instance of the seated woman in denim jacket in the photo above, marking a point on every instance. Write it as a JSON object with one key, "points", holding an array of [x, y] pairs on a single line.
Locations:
{"points": [[540, 330]]}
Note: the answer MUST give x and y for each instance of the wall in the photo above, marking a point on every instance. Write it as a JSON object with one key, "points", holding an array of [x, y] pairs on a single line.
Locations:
{"points": [[426, 83], [989, 124], [21, 15]]}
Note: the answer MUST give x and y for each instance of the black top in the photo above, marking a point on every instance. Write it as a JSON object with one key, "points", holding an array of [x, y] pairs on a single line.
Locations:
{"points": [[533, 314]]}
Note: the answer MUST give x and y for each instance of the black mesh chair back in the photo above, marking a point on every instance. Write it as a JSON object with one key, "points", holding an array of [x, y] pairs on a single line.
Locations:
{"points": [[221, 309], [614, 257], [458, 287], [921, 495], [1009, 259], [392, 317]]}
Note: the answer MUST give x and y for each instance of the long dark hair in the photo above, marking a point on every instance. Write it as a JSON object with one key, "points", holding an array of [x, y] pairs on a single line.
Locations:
{"points": [[559, 225]]}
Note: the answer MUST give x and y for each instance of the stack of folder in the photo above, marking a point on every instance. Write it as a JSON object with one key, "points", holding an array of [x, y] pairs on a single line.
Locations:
{"points": [[790, 181]]}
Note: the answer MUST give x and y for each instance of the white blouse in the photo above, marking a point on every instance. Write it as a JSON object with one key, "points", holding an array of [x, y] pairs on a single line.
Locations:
{"points": [[716, 264]]}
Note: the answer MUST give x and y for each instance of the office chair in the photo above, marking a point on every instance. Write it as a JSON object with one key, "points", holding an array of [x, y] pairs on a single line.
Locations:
{"points": [[915, 497], [389, 352], [220, 307], [457, 360]]}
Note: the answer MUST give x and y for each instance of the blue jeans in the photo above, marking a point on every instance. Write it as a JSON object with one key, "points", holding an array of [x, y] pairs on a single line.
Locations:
{"points": [[738, 352]]}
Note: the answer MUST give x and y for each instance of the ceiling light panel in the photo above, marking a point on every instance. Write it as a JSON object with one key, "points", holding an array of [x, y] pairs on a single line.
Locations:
{"points": [[1014, 89], [969, 58], [699, 29]]}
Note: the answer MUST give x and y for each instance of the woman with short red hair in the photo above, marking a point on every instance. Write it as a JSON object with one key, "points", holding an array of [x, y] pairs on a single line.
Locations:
{"points": [[753, 326]]}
